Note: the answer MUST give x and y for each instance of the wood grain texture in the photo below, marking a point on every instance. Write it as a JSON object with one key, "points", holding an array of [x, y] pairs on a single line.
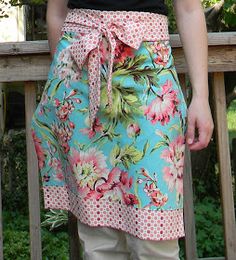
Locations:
{"points": [[35, 47], [33, 67], [74, 243], [224, 165], [1, 233], [189, 219], [33, 177]]}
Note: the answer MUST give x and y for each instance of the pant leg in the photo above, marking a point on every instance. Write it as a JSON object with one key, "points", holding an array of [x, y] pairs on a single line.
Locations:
{"points": [[102, 243], [152, 250]]}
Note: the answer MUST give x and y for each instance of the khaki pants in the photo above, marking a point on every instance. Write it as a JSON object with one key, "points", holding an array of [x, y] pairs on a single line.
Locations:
{"points": [[102, 243]]}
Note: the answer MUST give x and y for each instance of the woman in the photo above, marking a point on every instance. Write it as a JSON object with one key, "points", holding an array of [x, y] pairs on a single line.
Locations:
{"points": [[111, 127]]}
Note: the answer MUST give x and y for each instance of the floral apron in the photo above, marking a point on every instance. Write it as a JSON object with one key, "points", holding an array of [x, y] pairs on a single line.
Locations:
{"points": [[109, 131]]}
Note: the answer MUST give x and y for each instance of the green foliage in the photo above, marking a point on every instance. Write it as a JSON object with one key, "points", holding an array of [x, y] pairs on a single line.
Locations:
{"points": [[171, 17], [231, 119], [27, 2], [210, 239], [16, 239], [55, 219], [16, 245], [14, 170], [226, 18], [229, 14]]}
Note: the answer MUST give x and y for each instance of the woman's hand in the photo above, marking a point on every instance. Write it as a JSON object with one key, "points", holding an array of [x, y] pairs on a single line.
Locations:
{"points": [[200, 124]]}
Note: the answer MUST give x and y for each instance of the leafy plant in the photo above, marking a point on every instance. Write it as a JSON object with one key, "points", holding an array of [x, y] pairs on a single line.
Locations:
{"points": [[55, 219], [17, 241], [14, 172]]}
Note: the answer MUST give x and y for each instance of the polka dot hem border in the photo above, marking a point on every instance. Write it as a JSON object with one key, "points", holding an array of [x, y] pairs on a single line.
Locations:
{"points": [[142, 223]]}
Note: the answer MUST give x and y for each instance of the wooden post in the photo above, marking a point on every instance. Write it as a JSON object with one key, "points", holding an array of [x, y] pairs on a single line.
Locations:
{"points": [[33, 178], [1, 234], [74, 244], [224, 165], [189, 220]]}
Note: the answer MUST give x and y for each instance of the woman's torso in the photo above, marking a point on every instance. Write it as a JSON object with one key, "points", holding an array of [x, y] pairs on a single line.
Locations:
{"points": [[154, 6]]}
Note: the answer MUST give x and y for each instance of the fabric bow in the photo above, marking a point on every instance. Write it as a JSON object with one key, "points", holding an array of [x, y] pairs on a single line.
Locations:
{"points": [[92, 28]]}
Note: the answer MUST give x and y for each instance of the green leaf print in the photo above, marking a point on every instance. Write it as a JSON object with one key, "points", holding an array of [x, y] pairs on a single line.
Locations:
{"points": [[115, 155], [158, 145], [56, 87], [145, 148], [125, 104], [175, 127], [130, 64], [127, 155], [134, 67], [45, 127]]}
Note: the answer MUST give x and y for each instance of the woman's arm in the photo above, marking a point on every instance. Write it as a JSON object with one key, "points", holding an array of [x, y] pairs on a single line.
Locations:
{"points": [[56, 14], [192, 29]]}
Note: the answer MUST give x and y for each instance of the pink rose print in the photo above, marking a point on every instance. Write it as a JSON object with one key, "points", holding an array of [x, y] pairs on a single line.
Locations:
{"points": [[133, 130], [173, 174], [163, 106]]}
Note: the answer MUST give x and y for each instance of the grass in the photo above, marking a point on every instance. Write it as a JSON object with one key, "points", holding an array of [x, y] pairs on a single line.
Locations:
{"points": [[231, 119]]}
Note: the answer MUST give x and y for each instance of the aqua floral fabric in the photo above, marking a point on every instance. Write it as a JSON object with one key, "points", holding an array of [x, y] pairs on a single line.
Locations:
{"points": [[134, 153]]}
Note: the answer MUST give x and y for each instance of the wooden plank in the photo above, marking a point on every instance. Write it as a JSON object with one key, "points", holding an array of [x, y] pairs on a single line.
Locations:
{"points": [[24, 68], [33, 178], [214, 38], [74, 244], [212, 258], [35, 67], [1, 219], [220, 58], [189, 220], [35, 47], [27, 47], [224, 165]]}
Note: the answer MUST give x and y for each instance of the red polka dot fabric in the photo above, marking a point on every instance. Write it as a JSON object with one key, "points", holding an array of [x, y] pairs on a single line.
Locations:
{"points": [[130, 27], [142, 223]]}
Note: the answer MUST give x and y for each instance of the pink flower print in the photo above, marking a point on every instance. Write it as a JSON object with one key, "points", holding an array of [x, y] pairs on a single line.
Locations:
{"points": [[60, 176], [174, 155], [57, 166], [122, 51], [157, 198], [43, 104], [163, 106], [130, 199], [64, 56], [66, 69], [88, 166], [116, 187], [65, 108], [91, 132], [64, 133], [39, 150], [133, 130], [162, 51]]}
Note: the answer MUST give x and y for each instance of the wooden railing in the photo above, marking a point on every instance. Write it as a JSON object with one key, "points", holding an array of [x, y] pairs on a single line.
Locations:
{"points": [[29, 62]]}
